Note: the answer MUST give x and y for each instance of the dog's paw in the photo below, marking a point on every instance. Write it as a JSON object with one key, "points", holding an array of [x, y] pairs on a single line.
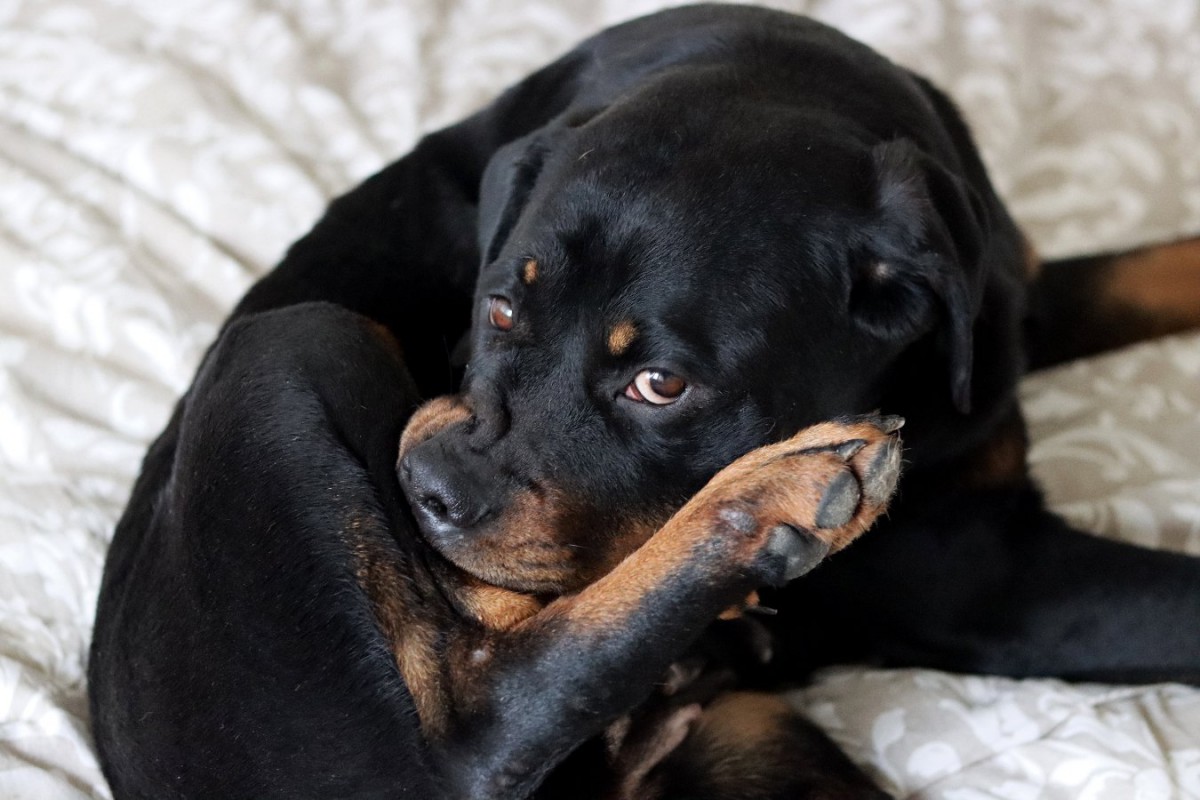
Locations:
{"points": [[789, 505]]}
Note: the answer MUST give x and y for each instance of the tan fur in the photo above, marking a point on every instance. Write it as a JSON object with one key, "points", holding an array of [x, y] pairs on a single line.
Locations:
{"points": [[1000, 460], [745, 720], [409, 632], [733, 612], [436, 415], [742, 734], [537, 541], [621, 336], [1163, 283], [384, 335], [1033, 262], [529, 274], [496, 608]]}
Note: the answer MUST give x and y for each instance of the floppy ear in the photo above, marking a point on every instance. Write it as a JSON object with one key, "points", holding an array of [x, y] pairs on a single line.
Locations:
{"points": [[926, 261], [505, 188]]}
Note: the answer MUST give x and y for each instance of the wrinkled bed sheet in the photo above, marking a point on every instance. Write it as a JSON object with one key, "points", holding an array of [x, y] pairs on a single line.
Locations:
{"points": [[156, 157]]}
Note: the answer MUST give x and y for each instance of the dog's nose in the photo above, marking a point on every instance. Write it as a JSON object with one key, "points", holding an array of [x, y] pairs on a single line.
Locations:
{"points": [[445, 497]]}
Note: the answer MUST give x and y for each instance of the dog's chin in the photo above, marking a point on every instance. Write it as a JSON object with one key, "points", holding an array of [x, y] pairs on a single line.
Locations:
{"points": [[497, 576], [475, 568]]}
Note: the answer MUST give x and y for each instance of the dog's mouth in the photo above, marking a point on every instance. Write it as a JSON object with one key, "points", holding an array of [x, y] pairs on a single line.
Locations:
{"points": [[478, 564], [517, 549], [454, 556]]}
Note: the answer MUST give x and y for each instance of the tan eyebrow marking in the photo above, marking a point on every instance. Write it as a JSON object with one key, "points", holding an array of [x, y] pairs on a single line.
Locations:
{"points": [[530, 273], [621, 336]]}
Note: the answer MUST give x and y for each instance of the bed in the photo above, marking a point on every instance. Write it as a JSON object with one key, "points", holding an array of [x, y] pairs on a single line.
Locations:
{"points": [[155, 158]]}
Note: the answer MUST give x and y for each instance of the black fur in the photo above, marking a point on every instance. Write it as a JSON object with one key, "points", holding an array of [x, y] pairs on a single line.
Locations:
{"points": [[797, 226]]}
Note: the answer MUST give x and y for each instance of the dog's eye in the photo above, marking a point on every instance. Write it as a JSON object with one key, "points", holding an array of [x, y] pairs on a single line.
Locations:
{"points": [[500, 313], [656, 386]]}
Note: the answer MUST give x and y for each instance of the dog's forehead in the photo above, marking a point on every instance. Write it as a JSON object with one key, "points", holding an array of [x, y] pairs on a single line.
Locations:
{"points": [[720, 181], [719, 121], [712, 221]]}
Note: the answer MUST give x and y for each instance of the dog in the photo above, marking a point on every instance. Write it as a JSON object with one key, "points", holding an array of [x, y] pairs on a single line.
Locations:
{"points": [[684, 266]]}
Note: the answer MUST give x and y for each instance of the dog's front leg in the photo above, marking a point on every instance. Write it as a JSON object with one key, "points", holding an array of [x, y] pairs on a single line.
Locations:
{"points": [[524, 698]]}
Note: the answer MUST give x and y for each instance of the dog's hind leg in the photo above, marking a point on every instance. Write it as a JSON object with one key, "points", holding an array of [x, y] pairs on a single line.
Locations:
{"points": [[1087, 305], [236, 653], [753, 746], [990, 581]]}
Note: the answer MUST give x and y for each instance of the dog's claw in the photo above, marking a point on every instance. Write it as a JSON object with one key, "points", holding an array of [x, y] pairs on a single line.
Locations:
{"points": [[879, 480], [801, 551], [890, 423], [839, 502]]}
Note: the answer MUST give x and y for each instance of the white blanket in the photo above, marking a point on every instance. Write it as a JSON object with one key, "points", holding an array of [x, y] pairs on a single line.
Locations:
{"points": [[156, 157]]}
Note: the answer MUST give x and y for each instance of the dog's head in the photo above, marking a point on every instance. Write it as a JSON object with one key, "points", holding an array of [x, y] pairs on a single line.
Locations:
{"points": [[667, 285]]}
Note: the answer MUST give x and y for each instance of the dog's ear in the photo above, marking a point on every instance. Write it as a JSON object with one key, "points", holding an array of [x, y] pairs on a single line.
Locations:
{"points": [[924, 263], [513, 171], [506, 186]]}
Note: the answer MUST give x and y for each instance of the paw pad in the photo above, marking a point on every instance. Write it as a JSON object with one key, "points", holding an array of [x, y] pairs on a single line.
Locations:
{"points": [[839, 502], [800, 550]]}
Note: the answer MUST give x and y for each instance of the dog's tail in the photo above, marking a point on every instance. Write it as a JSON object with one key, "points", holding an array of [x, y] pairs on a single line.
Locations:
{"points": [[1083, 306]]}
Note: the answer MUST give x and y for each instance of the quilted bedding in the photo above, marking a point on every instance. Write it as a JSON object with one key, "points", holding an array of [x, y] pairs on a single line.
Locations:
{"points": [[156, 157]]}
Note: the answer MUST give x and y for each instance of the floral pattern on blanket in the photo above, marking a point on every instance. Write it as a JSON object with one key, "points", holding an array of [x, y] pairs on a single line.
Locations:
{"points": [[156, 157]]}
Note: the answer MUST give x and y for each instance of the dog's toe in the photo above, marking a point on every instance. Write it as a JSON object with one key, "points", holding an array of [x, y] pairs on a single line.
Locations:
{"points": [[881, 475], [889, 423], [799, 551], [839, 501]]}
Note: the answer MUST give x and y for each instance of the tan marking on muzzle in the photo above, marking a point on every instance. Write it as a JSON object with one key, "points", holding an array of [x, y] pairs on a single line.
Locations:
{"points": [[525, 546], [545, 542], [430, 419]]}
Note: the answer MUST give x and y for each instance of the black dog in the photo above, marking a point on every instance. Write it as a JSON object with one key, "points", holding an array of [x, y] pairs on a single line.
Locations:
{"points": [[688, 239]]}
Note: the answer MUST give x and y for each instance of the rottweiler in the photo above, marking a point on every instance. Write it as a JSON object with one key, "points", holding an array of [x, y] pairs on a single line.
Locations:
{"points": [[661, 288]]}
